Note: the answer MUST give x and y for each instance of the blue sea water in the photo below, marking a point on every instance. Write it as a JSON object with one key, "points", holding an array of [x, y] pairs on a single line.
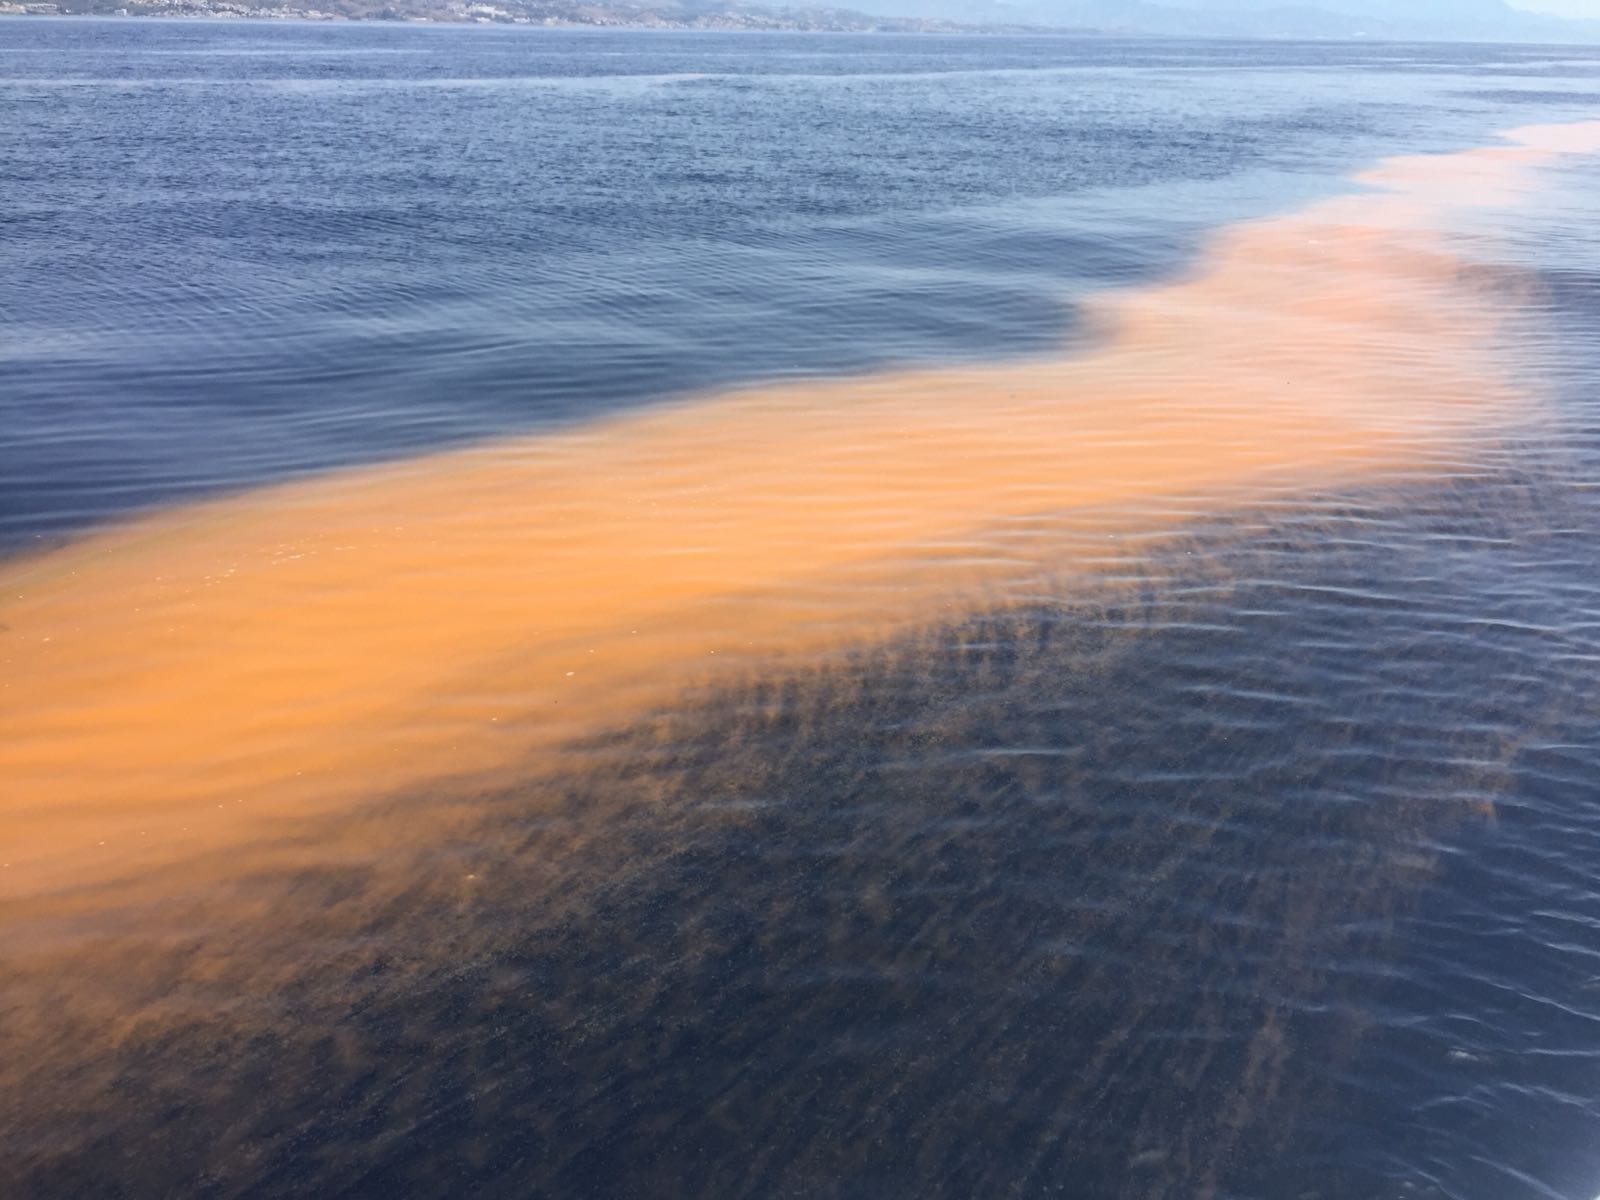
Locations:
{"points": [[1182, 890]]}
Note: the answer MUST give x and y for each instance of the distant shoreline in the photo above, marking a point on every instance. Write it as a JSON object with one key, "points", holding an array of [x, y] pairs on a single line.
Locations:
{"points": [[546, 14], [672, 17]]}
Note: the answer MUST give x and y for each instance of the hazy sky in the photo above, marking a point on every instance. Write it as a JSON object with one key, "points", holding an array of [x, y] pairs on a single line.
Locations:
{"points": [[1395, 9], [1565, 8]]}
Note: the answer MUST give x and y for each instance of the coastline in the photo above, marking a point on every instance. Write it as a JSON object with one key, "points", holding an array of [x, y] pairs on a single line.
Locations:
{"points": [[551, 14]]}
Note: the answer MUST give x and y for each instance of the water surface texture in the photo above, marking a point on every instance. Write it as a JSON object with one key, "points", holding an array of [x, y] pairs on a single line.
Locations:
{"points": [[603, 614]]}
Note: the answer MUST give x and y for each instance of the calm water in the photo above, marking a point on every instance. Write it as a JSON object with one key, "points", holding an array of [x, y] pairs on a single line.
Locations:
{"points": [[1156, 577]]}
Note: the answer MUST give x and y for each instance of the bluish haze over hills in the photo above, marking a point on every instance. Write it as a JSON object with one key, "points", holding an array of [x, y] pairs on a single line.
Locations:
{"points": [[1429, 19], [1566, 8]]}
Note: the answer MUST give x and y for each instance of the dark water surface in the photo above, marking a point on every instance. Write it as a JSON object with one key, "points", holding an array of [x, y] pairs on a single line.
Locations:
{"points": [[1263, 863]]}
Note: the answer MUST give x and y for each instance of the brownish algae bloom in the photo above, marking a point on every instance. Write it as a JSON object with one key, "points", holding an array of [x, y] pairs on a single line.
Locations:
{"points": [[179, 684]]}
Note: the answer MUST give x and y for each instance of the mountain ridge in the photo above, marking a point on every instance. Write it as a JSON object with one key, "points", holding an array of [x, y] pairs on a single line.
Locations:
{"points": [[1422, 20]]}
